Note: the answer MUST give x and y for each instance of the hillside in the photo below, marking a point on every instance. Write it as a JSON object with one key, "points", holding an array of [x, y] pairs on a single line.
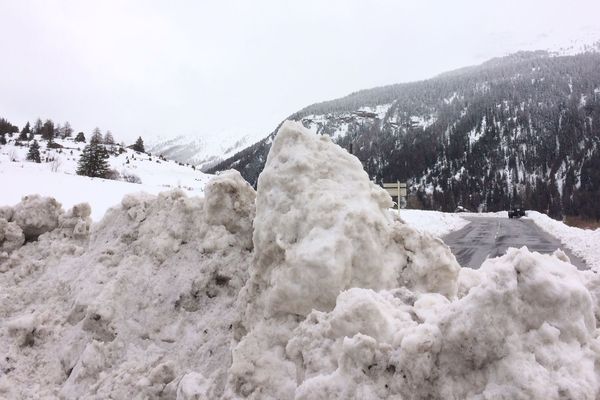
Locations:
{"points": [[56, 175], [518, 129]]}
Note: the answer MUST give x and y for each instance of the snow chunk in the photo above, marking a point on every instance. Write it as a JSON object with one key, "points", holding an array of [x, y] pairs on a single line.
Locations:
{"points": [[322, 226], [6, 212], [36, 215], [11, 236], [229, 201], [76, 222], [192, 386]]}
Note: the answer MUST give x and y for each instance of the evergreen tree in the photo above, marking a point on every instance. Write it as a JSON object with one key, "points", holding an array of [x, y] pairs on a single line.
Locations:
{"points": [[25, 132], [7, 127], [93, 161], [80, 137], [96, 136], [48, 130], [2, 138], [57, 131], [138, 145], [67, 131], [108, 138], [37, 127], [34, 152]]}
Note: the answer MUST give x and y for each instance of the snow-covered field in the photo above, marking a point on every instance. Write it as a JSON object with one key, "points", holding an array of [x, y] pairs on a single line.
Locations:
{"points": [[59, 180], [308, 288]]}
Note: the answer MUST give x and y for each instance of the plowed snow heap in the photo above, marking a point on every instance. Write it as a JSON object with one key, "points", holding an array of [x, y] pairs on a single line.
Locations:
{"points": [[309, 289]]}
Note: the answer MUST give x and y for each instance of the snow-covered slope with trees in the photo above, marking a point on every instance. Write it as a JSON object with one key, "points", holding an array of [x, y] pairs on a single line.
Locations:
{"points": [[56, 174], [310, 288], [518, 129]]}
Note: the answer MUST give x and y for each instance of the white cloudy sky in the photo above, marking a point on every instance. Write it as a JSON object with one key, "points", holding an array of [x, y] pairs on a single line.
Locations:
{"points": [[237, 67]]}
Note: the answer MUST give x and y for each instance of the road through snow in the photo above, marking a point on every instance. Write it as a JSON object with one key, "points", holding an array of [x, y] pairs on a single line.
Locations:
{"points": [[488, 237]]}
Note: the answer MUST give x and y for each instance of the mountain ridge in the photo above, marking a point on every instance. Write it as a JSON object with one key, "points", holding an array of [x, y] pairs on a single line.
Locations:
{"points": [[438, 132]]}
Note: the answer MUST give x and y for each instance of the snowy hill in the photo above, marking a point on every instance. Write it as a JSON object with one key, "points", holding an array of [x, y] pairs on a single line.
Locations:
{"points": [[203, 152], [55, 176]]}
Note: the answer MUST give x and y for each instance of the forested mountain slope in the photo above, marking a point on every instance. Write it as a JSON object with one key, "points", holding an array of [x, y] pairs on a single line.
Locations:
{"points": [[519, 129]]}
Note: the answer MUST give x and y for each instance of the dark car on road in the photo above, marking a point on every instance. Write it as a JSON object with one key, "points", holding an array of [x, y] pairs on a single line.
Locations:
{"points": [[516, 212]]}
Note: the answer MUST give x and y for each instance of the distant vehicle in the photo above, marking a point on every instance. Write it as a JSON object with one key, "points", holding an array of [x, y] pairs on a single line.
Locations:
{"points": [[516, 212], [461, 209]]}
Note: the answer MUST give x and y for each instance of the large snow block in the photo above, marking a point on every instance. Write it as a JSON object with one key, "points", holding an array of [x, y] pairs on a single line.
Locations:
{"points": [[322, 227], [36, 215], [229, 201]]}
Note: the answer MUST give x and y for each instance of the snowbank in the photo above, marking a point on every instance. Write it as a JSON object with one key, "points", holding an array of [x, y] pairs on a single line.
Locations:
{"points": [[582, 242], [310, 290], [321, 227], [435, 223]]}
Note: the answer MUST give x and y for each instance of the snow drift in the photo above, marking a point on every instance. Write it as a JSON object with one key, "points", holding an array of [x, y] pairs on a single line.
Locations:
{"points": [[308, 289]]}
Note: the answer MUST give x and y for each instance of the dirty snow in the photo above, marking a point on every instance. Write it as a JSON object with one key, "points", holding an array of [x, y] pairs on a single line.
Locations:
{"points": [[127, 310], [314, 290]]}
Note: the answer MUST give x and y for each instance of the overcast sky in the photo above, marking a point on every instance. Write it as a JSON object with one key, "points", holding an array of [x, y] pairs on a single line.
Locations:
{"points": [[236, 67]]}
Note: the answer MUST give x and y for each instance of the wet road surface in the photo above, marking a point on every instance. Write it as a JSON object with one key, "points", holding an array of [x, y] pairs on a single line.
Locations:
{"points": [[490, 237]]}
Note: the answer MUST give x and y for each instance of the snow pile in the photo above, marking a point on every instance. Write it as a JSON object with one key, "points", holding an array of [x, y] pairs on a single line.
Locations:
{"points": [[582, 242], [128, 309], [313, 289], [321, 228], [527, 330]]}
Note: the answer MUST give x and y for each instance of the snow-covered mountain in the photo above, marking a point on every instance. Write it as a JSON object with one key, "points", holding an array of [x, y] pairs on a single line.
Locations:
{"points": [[521, 128], [208, 151], [203, 152], [55, 176]]}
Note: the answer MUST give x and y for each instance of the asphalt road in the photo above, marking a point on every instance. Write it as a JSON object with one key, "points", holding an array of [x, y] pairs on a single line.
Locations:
{"points": [[490, 237]]}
